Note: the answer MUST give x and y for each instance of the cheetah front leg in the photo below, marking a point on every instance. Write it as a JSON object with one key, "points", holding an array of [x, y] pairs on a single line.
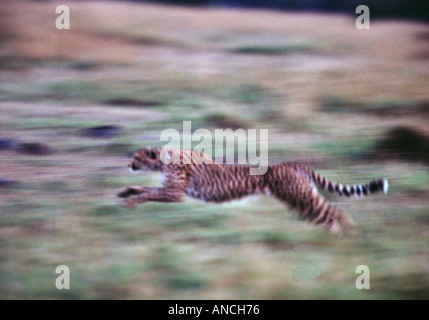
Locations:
{"points": [[136, 195], [130, 191]]}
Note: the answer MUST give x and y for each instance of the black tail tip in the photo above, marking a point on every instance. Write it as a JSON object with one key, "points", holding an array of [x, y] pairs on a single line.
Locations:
{"points": [[379, 185]]}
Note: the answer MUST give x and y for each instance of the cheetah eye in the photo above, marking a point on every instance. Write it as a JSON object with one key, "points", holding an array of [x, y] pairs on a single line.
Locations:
{"points": [[151, 154]]}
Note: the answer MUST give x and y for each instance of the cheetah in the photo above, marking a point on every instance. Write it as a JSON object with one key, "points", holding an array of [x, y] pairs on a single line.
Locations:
{"points": [[292, 183]]}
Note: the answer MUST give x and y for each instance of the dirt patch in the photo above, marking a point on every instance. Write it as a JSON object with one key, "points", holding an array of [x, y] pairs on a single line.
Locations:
{"points": [[378, 109], [422, 36], [422, 55], [404, 143], [132, 102], [273, 49], [6, 183], [8, 144], [223, 122], [30, 148], [106, 131], [84, 66], [34, 148]]}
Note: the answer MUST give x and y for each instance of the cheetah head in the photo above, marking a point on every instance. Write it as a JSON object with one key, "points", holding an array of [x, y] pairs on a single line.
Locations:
{"points": [[146, 159]]}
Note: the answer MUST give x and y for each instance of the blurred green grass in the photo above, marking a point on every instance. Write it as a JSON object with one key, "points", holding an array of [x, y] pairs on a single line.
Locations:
{"points": [[63, 208], [273, 49]]}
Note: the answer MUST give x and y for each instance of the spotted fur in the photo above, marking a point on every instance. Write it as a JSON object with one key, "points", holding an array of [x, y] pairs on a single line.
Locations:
{"points": [[291, 183]]}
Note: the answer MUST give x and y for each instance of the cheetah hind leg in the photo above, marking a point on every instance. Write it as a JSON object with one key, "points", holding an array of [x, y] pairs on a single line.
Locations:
{"points": [[313, 207], [341, 223], [329, 216]]}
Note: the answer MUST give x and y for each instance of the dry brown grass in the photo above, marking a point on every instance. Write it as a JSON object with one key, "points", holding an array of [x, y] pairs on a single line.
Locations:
{"points": [[308, 78]]}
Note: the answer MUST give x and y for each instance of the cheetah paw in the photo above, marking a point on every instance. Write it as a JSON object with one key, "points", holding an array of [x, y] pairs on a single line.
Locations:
{"points": [[128, 191], [129, 203]]}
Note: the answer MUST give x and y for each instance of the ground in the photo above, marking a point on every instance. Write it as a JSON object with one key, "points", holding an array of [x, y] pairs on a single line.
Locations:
{"points": [[327, 92]]}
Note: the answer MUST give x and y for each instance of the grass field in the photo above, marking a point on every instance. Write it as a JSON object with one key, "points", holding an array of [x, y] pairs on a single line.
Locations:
{"points": [[331, 96]]}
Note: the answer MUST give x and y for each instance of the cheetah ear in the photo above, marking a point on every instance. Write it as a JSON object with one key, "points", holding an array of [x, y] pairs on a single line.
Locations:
{"points": [[149, 153], [165, 155]]}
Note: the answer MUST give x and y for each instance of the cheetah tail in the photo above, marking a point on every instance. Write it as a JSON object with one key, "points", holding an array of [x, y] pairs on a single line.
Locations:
{"points": [[357, 190]]}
